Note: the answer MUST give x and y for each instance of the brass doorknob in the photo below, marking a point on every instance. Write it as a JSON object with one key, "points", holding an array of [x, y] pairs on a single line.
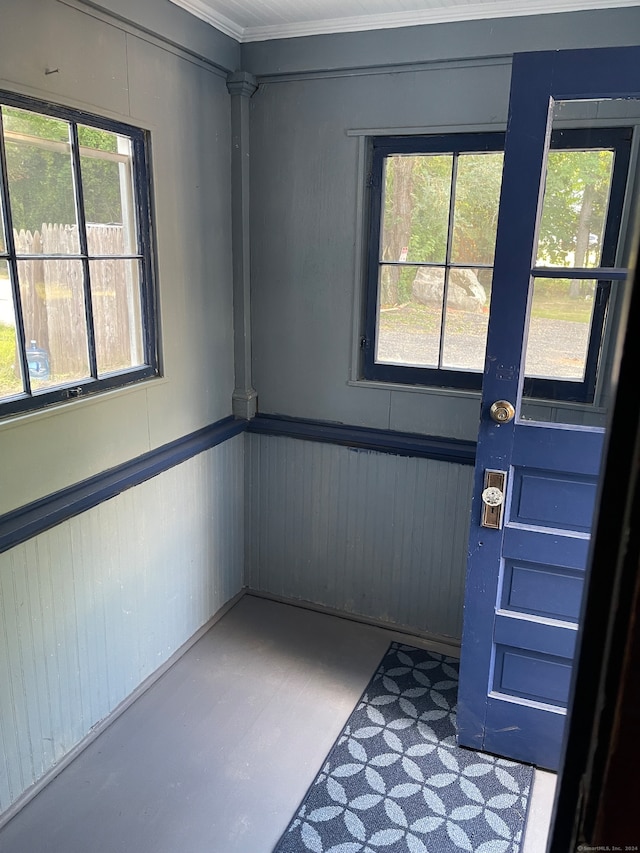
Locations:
{"points": [[502, 412]]}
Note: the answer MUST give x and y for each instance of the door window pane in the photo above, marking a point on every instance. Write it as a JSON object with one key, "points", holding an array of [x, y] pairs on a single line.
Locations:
{"points": [[574, 210], [561, 347], [40, 179], [55, 328], [570, 350], [559, 327]]}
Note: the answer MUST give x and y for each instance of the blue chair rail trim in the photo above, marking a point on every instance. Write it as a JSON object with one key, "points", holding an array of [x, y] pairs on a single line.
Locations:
{"points": [[366, 438], [25, 522]]}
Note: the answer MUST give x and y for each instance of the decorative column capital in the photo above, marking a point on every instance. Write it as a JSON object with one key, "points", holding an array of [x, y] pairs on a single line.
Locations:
{"points": [[241, 83]]}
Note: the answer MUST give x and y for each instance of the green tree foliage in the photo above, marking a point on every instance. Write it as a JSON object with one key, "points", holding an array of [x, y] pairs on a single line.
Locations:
{"points": [[418, 191], [431, 194], [418, 194], [100, 178], [40, 177], [477, 199], [574, 214], [416, 204], [575, 206]]}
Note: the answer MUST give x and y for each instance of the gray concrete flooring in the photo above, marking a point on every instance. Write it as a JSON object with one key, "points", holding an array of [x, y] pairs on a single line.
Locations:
{"points": [[217, 754]]}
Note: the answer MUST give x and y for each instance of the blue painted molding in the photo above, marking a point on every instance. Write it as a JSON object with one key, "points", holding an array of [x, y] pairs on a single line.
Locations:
{"points": [[27, 521], [365, 438]]}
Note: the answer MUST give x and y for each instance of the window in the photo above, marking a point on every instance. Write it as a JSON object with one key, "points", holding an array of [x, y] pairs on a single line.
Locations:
{"points": [[77, 306], [433, 220]]}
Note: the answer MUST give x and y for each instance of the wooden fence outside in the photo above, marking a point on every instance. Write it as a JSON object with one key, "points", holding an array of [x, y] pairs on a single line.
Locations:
{"points": [[53, 302]]}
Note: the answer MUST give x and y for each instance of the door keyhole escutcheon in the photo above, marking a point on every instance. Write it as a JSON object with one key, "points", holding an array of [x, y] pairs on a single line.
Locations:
{"points": [[502, 411], [495, 483]]}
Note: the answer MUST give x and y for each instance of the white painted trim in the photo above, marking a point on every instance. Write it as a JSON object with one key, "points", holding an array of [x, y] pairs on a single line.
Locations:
{"points": [[203, 11], [359, 23], [102, 725]]}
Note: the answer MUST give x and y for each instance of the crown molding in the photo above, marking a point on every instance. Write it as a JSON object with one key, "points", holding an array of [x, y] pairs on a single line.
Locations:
{"points": [[203, 11], [471, 11]]}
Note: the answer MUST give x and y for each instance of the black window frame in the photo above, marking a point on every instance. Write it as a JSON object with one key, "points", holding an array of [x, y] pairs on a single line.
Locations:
{"points": [[28, 400], [381, 147]]}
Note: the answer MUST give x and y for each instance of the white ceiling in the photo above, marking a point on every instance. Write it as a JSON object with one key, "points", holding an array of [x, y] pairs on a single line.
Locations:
{"points": [[259, 20]]}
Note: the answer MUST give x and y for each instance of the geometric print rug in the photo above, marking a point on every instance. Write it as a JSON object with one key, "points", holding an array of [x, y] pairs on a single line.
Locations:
{"points": [[396, 781]]}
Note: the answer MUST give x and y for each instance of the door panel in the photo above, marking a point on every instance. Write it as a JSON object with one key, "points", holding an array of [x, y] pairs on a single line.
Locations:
{"points": [[530, 673], [540, 590], [552, 500], [524, 581], [516, 728]]}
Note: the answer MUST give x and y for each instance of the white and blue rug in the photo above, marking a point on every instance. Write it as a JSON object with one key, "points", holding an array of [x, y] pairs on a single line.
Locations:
{"points": [[396, 781]]}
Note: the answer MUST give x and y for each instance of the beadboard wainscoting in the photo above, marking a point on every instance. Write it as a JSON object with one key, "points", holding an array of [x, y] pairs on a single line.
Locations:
{"points": [[369, 534], [92, 607]]}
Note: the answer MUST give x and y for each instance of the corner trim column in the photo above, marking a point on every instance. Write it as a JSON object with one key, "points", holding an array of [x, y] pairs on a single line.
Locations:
{"points": [[241, 86]]}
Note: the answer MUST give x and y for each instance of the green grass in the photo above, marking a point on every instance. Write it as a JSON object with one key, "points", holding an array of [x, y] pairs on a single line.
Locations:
{"points": [[9, 382], [411, 315], [426, 318], [562, 308]]}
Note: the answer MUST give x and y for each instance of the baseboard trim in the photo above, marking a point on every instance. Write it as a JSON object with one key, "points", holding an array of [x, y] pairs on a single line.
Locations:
{"points": [[126, 703], [401, 633]]}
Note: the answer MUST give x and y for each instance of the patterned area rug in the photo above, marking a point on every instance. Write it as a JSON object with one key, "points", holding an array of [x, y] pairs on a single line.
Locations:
{"points": [[396, 781]]}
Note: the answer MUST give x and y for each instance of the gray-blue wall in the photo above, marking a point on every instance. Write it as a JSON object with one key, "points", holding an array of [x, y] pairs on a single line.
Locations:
{"points": [[492, 37], [370, 534], [315, 515], [307, 226], [318, 98]]}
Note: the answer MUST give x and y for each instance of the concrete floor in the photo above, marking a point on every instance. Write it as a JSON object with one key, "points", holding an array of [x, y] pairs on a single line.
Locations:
{"points": [[216, 756]]}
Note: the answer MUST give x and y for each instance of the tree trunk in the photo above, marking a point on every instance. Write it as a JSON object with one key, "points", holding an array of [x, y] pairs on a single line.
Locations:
{"points": [[397, 224], [582, 236]]}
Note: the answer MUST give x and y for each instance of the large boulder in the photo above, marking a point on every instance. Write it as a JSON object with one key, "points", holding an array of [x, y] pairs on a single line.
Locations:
{"points": [[465, 291]]}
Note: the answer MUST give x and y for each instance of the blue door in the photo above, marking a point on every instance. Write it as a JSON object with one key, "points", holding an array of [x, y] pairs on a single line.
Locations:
{"points": [[537, 459]]}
